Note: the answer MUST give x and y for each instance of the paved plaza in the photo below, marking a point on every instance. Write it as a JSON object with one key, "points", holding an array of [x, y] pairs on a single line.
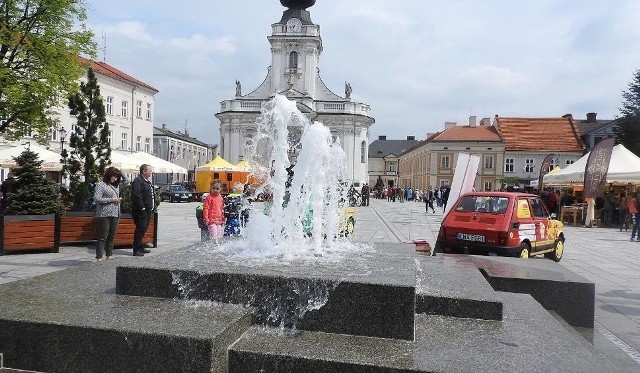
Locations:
{"points": [[604, 256]]}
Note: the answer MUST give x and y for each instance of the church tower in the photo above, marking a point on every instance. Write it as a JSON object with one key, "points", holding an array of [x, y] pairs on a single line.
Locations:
{"points": [[296, 46]]}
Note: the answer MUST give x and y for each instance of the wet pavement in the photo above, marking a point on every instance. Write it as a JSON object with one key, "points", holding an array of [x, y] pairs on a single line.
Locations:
{"points": [[604, 256]]}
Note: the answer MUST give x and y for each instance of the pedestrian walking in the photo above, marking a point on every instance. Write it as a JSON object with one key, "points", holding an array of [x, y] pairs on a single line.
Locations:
{"points": [[428, 199], [633, 211]]}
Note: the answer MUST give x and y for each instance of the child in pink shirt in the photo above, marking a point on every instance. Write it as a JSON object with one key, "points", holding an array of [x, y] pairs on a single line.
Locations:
{"points": [[213, 211]]}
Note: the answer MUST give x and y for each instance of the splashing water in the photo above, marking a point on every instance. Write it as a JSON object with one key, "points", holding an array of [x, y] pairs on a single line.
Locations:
{"points": [[304, 169]]}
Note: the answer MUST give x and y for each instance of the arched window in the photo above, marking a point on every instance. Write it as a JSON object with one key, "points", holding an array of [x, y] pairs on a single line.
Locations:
{"points": [[363, 147], [293, 60]]}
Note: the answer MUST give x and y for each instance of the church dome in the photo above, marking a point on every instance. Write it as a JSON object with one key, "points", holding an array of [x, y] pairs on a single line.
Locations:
{"points": [[298, 4]]}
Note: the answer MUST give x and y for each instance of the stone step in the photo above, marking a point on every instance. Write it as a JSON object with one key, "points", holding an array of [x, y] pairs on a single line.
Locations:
{"points": [[443, 344], [73, 321]]}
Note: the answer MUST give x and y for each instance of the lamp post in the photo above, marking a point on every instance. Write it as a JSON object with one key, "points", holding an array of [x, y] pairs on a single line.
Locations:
{"points": [[63, 134]]}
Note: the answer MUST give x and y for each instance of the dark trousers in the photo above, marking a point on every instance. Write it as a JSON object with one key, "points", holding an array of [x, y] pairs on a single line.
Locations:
{"points": [[107, 228], [141, 220]]}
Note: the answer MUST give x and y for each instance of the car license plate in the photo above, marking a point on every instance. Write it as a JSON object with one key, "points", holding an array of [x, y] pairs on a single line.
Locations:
{"points": [[470, 237], [183, 197]]}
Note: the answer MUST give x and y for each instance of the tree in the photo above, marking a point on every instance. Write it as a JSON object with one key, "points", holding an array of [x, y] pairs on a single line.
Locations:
{"points": [[40, 41], [627, 130], [90, 150], [32, 193]]}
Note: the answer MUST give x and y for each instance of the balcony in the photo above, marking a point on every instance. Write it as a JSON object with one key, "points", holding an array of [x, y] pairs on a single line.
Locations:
{"points": [[343, 108]]}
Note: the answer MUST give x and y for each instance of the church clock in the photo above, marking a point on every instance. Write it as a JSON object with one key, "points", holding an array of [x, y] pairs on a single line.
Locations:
{"points": [[294, 25]]}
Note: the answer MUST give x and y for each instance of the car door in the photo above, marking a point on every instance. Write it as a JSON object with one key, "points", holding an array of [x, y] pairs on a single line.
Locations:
{"points": [[541, 221], [524, 221]]}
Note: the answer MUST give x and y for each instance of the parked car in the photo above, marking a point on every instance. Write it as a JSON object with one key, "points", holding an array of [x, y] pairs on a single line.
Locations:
{"points": [[515, 224], [174, 193]]}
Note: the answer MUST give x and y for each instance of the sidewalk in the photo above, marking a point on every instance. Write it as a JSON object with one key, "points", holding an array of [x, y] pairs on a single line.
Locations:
{"points": [[602, 255]]}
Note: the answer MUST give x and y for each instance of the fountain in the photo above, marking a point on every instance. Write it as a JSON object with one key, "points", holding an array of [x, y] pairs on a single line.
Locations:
{"points": [[280, 300]]}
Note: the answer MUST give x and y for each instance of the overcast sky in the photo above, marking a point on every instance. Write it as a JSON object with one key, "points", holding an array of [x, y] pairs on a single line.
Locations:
{"points": [[417, 63]]}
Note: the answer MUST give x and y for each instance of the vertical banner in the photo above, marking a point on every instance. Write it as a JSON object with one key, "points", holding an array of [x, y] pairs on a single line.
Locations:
{"points": [[464, 177], [595, 172], [545, 168]]}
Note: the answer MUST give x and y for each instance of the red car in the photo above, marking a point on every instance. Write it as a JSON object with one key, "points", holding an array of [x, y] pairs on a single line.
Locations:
{"points": [[513, 224]]}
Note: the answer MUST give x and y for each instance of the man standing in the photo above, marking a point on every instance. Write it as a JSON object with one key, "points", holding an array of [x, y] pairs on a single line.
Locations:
{"points": [[5, 188], [632, 206], [141, 207]]}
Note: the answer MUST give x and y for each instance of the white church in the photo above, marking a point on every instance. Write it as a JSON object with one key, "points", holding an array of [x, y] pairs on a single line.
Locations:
{"points": [[296, 46]]}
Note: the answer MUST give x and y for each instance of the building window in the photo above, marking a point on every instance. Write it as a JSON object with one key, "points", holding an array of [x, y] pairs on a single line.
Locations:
{"points": [[488, 186], [569, 162], [138, 143], [109, 138], [444, 161], [125, 105], [147, 145], [528, 165], [138, 109], [293, 60], [508, 165], [488, 162], [124, 141], [110, 105], [444, 183], [53, 135], [148, 111], [363, 148]]}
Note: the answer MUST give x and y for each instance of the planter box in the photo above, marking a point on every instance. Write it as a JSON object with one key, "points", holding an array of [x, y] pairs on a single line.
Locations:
{"points": [[78, 227], [126, 227], [29, 232], [32, 232]]}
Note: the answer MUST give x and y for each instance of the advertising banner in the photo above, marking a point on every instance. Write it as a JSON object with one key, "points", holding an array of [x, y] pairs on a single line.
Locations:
{"points": [[545, 168], [464, 177], [595, 172]]}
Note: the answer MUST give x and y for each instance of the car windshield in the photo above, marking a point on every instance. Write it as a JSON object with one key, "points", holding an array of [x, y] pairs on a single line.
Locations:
{"points": [[496, 205], [177, 188]]}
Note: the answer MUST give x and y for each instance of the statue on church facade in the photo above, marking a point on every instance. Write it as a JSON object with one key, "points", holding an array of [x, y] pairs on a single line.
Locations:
{"points": [[347, 90], [238, 89]]}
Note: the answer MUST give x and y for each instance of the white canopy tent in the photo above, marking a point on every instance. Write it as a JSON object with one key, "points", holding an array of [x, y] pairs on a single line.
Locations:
{"points": [[122, 162], [50, 160], [624, 167], [159, 165]]}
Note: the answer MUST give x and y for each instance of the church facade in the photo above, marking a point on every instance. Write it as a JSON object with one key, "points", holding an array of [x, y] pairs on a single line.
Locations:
{"points": [[296, 46]]}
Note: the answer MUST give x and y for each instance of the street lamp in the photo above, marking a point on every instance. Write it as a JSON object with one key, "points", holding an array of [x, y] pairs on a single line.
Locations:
{"points": [[63, 134]]}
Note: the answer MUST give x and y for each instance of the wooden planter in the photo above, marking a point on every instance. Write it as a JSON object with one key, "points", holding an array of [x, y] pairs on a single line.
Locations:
{"points": [[126, 227], [32, 232], [29, 232]]}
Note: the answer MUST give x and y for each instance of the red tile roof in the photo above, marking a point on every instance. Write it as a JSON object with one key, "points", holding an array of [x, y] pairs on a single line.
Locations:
{"points": [[467, 133], [539, 134], [110, 71]]}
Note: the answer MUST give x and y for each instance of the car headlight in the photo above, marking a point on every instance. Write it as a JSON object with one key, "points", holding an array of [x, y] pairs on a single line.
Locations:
{"points": [[189, 195]]}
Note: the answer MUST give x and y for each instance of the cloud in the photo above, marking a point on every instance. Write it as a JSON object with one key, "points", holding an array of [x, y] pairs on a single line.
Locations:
{"points": [[378, 12], [129, 29], [200, 43], [492, 77]]}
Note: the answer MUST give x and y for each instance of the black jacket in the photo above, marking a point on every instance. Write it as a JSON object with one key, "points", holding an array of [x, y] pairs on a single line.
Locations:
{"points": [[141, 195]]}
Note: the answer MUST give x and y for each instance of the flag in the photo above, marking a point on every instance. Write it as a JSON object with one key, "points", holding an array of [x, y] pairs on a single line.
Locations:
{"points": [[545, 168], [595, 172]]}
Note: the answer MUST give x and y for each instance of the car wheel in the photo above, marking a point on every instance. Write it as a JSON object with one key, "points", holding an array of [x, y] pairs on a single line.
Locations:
{"points": [[171, 199], [556, 255], [523, 251]]}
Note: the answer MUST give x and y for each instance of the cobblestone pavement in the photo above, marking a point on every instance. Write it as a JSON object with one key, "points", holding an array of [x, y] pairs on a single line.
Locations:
{"points": [[602, 255]]}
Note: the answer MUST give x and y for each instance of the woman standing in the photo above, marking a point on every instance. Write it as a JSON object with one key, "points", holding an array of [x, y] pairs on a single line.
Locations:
{"points": [[107, 198]]}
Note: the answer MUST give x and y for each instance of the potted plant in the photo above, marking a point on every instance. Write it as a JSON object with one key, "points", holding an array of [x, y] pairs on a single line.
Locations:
{"points": [[30, 219]]}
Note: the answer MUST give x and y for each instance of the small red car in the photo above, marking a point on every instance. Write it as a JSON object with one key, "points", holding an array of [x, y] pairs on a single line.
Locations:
{"points": [[506, 223]]}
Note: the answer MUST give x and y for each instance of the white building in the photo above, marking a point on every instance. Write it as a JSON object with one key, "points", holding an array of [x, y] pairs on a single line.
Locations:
{"points": [[295, 52], [129, 106]]}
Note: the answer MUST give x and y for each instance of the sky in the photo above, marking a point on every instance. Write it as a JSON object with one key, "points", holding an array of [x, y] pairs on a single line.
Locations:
{"points": [[417, 63]]}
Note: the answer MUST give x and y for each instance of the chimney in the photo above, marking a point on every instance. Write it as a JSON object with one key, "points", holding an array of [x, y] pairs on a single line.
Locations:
{"points": [[568, 116], [164, 126], [485, 122], [411, 137], [591, 117], [472, 121], [382, 137], [449, 124]]}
